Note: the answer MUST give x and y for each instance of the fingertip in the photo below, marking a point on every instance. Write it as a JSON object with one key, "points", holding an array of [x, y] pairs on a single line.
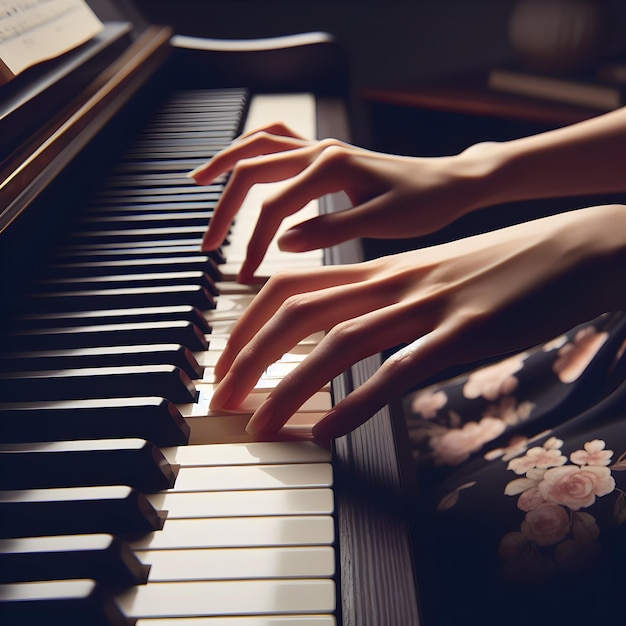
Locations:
{"points": [[293, 240]]}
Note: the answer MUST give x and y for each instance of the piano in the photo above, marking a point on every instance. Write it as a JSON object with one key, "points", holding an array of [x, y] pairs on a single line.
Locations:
{"points": [[123, 499]]}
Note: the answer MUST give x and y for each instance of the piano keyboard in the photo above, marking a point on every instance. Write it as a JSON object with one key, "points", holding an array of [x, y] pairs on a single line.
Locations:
{"points": [[125, 499]]}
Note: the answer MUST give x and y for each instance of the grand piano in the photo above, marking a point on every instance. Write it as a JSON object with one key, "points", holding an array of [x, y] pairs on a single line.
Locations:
{"points": [[123, 499]]}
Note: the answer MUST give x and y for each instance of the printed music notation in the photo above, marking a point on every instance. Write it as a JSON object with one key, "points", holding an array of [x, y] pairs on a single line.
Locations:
{"points": [[32, 31]]}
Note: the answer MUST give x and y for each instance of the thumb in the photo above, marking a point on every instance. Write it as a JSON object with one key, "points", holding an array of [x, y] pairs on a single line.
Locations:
{"points": [[319, 232]]}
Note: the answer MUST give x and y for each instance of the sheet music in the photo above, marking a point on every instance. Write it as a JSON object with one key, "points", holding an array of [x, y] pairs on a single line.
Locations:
{"points": [[32, 31]]}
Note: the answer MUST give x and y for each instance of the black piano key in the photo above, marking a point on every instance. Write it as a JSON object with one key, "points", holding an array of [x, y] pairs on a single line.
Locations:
{"points": [[167, 381], [107, 253], [60, 319], [170, 166], [160, 198], [100, 557], [67, 602], [152, 181], [116, 281], [196, 263], [131, 216], [132, 462], [193, 295], [104, 356], [111, 509], [98, 246], [154, 418], [180, 332], [137, 234], [97, 212]]}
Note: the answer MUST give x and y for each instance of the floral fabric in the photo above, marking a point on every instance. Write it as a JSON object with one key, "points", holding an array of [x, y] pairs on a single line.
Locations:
{"points": [[521, 494]]}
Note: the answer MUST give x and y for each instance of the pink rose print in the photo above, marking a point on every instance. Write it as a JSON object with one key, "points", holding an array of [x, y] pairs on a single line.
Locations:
{"points": [[555, 532], [428, 402], [537, 457], [495, 380], [576, 487], [546, 524], [575, 357], [593, 454], [456, 444]]}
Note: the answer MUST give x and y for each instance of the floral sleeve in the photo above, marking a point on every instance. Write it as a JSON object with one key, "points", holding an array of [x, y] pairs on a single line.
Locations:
{"points": [[522, 485]]}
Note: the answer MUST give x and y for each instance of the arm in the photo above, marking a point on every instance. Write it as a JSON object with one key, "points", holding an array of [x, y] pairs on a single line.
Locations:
{"points": [[396, 197], [454, 303]]}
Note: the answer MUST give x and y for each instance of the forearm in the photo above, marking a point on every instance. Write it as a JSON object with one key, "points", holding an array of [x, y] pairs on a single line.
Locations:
{"points": [[581, 159]]}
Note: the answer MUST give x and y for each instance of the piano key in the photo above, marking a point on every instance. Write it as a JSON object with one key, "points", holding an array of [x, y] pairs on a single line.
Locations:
{"points": [[251, 620], [132, 462], [319, 402], [59, 602], [139, 191], [108, 356], [114, 252], [244, 503], [160, 198], [180, 332], [239, 532], [76, 510], [255, 477], [153, 418], [130, 281], [198, 262], [59, 319], [137, 234], [183, 166], [97, 247], [168, 381], [198, 598], [131, 297], [230, 427], [270, 453], [99, 557], [137, 209], [239, 563]]}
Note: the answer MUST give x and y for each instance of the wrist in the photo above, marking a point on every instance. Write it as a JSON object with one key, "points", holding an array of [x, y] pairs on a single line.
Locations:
{"points": [[480, 166]]}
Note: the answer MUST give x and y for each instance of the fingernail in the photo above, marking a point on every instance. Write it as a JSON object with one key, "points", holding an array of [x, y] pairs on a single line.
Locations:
{"points": [[222, 394], [260, 422]]}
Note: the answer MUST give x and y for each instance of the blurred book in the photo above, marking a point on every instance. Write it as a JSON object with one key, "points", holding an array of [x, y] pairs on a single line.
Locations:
{"points": [[604, 90], [32, 31]]}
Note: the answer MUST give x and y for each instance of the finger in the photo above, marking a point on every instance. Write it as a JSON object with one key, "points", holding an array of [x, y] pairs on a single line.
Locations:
{"points": [[274, 128], [274, 293], [300, 316], [331, 229], [324, 175], [245, 148], [345, 345], [407, 368], [248, 172]]}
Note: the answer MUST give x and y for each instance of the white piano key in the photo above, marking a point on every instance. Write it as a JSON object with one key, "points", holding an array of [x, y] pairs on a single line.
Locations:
{"points": [[318, 402], [263, 453], [231, 287], [240, 532], [252, 477], [231, 428], [239, 563], [197, 598], [243, 503], [252, 620], [228, 307]]}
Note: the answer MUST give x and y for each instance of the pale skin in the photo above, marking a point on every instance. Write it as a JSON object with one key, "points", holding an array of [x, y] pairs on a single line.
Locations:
{"points": [[455, 303]]}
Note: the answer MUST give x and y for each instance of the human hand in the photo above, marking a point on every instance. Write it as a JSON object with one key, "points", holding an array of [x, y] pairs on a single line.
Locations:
{"points": [[455, 303], [391, 196]]}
